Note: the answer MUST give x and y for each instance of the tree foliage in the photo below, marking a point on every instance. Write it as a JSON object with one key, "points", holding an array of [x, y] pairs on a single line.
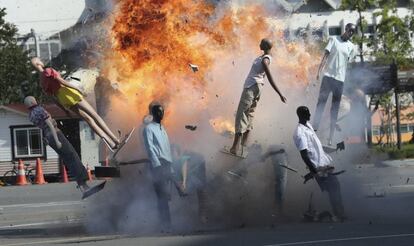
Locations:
{"points": [[392, 40], [14, 66], [391, 43], [393, 36]]}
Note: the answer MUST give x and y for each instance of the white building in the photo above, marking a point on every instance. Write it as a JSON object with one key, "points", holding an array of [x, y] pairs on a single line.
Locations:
{"points": [[322, 18], [19, 139], [46, 49]]}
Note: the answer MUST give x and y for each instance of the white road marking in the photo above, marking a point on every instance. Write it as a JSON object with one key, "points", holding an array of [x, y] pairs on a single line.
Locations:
{"points": [[403, 186], [40, 223], [68, 240], [344, 239], [39, 205]]}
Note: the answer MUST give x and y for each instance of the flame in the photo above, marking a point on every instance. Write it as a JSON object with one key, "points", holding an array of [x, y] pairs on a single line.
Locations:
{"points": [[154, 41], [222, 126]]}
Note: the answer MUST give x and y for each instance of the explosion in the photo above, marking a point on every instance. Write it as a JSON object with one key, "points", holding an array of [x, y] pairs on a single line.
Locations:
{"points": [[154, 41], [222, 126]]}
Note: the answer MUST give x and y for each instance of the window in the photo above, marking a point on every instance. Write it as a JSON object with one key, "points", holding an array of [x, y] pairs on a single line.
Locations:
{"points": [[44, 52], [370, 29], [404, 128], [32, 50], [335, 31], [55, 49], [27, 142], [376, 131]]}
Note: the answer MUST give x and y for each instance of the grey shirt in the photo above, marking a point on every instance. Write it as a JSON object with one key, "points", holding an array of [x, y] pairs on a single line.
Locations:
{"points": [[257, 73]]}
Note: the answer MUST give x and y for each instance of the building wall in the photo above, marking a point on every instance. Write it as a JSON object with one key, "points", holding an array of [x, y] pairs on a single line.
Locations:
{"points": [[89, 145], [88, 139], [8, 119], [336, 20], [405, 137], [406, 126], [46, 49]]}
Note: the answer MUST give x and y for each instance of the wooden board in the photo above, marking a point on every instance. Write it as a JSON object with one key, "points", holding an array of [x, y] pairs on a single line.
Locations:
{"points": [[240, 154]]}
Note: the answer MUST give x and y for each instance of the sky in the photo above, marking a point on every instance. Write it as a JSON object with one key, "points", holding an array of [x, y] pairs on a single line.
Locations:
{"points": [[46, 17]]}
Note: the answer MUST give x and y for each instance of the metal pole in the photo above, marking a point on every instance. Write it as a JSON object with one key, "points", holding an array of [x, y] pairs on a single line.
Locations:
{"points": [[369, 126], [36, 42], [397, 109]]}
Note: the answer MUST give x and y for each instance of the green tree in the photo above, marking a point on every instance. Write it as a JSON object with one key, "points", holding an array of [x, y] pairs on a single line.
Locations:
{"points": [[14, 65], [391, 44], [393, 41], [360, 6]]}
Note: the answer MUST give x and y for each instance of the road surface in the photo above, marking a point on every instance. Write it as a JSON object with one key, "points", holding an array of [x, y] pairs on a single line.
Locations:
{"points": [[53, 214]]}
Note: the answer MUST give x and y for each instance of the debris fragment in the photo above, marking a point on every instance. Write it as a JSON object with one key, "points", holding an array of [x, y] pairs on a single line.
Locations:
{"points": [[288, 168], [190, 127], [193, 67], [377, 195], [340, 146], [235, 174]]}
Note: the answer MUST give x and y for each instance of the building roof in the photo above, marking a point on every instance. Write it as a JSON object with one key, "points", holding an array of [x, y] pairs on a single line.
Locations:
{"points": [[335, 4], [53, 109], [290, 5], [294, 5]]}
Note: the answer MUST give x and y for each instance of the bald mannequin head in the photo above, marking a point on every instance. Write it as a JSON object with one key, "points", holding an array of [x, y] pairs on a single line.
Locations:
{"points": [[266, 44], [30, 101]]}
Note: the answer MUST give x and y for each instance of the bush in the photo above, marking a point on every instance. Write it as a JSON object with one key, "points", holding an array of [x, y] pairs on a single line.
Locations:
{"points": [[406, 151]]}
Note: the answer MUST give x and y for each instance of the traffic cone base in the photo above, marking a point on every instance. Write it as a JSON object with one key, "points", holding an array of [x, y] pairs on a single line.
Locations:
{"points": [[21, 176], [65, 178], [40, 179]]}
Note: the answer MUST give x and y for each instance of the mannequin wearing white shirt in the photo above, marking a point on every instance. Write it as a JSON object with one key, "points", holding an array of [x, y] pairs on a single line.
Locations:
{"points": [[338, 53], [318, 162]]}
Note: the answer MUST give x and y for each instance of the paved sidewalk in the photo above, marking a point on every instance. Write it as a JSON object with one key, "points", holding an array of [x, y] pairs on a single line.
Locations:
{"points": [[399, 163]]}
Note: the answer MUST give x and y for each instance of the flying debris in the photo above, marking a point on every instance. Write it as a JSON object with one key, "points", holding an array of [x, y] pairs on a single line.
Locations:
{"points": [[193, 67], [190, 127], [289, 168]]}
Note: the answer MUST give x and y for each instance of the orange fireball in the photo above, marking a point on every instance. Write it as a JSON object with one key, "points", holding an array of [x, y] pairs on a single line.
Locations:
{"points": [[155, 41]]}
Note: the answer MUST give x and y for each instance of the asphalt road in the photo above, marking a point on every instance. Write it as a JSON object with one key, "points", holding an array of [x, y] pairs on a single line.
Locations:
{"points": [[53, 214]]}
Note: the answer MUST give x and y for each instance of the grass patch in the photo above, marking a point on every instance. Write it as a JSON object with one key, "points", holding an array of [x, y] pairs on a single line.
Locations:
{"points": [[406, 151]]}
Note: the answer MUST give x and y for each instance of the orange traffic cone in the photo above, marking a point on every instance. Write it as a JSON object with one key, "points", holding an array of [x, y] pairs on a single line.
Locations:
{"points": [[88, 170], [21, 176], [40, 179], [65, 178]]}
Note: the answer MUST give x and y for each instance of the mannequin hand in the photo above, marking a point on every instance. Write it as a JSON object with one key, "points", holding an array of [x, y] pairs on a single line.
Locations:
{"points": [[58, 144]]}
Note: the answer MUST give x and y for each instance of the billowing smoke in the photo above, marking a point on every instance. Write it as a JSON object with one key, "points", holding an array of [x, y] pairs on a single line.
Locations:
{"points": [[152, 46]]}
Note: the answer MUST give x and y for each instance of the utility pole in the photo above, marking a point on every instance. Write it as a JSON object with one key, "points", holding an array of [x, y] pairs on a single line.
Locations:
{"points": [[397, 109], [394, 78], [32, 31]]}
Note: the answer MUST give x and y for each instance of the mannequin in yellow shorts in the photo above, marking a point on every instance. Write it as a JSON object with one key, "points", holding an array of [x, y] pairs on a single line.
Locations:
{"points": [[70, 97]]}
